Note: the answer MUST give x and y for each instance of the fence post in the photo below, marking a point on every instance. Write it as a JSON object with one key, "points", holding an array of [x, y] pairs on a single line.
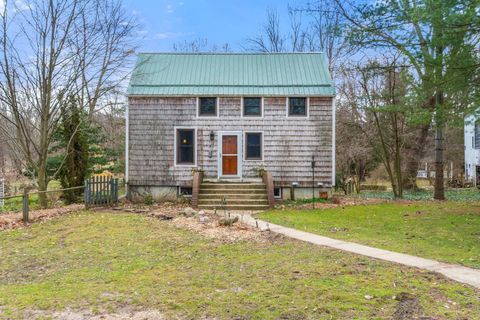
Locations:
{"points": [[25, 205]]}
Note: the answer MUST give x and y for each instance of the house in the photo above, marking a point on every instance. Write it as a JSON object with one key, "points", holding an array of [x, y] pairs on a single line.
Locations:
{"points": [[239, 121], [472, 149]]}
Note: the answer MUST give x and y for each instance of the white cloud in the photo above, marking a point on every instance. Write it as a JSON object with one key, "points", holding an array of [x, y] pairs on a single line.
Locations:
{"points": [[21, 5], [170, 8]]}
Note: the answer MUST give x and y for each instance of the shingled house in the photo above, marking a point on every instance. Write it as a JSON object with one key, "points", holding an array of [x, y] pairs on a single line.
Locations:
{"points": [[230, 129]]}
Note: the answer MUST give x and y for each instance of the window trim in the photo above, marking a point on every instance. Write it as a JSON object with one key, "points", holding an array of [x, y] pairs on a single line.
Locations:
{"points": [[242, 109], [307, 106], [217, 108], [262, 146], [175, 147]]}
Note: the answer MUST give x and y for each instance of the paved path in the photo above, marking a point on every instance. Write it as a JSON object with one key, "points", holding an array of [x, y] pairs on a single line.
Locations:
{"points": [[456, 272]]}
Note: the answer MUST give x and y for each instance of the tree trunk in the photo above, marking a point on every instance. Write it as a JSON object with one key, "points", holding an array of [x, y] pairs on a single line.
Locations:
{"points": [[42, 184], [414, 156]]}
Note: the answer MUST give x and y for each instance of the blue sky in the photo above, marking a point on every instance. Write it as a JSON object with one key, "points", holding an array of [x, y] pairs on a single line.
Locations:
{"points": [[165, 22]]}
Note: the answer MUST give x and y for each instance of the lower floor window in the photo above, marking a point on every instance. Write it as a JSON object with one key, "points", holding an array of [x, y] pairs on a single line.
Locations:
{"points": [[253, 146], [277, 193], [185, 146], [184, 191]]}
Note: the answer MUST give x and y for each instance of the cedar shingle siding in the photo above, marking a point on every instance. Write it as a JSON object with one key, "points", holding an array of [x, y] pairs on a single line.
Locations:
{"points": [[289, 142]]}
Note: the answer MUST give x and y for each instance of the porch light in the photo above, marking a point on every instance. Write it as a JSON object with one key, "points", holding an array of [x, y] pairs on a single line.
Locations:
{"points": [[212, 135]]}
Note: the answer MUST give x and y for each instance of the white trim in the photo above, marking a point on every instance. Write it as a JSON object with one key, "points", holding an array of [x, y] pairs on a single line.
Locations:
{"points": [[243, 116], [334, 111], [127, 151], [245, 145], [307, 106], [220, 135], [217, 108], [195, 146]]}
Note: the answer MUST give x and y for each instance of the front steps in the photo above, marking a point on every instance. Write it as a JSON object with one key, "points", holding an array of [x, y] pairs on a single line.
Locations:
{"points": [[238, 196]]}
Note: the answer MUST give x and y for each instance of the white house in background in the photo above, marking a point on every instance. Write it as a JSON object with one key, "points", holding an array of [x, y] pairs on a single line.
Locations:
{"points": [[472, 149]]}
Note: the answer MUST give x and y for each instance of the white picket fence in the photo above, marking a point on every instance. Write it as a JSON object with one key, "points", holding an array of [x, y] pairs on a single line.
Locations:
{"points": [[2, 192]]}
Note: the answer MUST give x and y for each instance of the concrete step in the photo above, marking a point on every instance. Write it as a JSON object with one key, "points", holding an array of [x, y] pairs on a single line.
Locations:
{"points": [[218, 202], [232, 191], [215, 195], [235, 207], [232, 186]]}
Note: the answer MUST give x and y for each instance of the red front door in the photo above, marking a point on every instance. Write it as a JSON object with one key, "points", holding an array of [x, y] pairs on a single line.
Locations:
{"points": [[229, 155]]}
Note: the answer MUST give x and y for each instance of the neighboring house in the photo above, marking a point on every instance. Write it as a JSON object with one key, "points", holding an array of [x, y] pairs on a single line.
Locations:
{"points": [[231, 116], [472, 149]]}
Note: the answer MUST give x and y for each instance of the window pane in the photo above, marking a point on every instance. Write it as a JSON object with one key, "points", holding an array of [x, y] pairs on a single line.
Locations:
{"points": [[208, 106], [185, 146], [252, 106], [254, 145], [297, 106]]}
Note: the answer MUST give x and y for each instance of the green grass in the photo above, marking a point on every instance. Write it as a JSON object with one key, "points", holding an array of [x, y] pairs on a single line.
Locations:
{"points": [[105, 261], [467, 194], [448, 231]]}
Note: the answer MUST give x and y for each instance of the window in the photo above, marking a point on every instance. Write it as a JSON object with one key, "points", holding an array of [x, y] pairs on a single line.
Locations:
{"points": [[184, 192], [253, 146], [207, 107], [277, 193], [477, 135], [252, 107], [297, 107], [185, 146]]}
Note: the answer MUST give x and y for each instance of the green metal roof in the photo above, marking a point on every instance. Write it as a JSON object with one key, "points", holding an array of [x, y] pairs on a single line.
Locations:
{"points": [[231, 74]]}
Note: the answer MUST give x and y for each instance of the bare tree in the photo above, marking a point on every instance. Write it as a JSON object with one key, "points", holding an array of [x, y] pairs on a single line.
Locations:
{"points": [[199, 45], [271, 38], [50, 51]]}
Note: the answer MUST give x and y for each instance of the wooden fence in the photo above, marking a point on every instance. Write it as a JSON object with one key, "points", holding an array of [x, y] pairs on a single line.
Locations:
{"points": [[101, 191]]}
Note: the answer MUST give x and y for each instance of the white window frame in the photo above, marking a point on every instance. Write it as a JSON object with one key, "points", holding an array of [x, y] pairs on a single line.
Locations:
{"points": [[245, 145], [242, 113], [217, 108], [175, 146], [307, 106]]}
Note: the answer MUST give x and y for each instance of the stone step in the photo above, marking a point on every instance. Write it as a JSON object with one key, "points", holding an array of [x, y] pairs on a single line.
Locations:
{"points": [[231, 191], [234, 196], [218, 202], [235, 207], [232, 186]]}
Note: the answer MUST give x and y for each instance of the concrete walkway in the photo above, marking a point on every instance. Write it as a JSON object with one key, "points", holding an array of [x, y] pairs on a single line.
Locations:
{"points": [[456, 272]]}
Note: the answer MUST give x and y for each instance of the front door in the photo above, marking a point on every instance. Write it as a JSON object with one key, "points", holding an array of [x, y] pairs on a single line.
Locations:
{"points": [[229, 155]]}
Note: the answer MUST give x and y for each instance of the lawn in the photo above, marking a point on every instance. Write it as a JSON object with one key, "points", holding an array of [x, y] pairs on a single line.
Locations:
{"points": [[105, 261], [447, 231]]}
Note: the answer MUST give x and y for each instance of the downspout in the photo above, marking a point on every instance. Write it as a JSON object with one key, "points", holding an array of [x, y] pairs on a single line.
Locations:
{"points": [[333, 140], [127, 153]]}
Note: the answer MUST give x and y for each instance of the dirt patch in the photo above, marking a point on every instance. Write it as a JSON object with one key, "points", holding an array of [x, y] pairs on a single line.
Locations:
{"points": [[408, 308], [336, 202], [14, 220], [81, 315]]}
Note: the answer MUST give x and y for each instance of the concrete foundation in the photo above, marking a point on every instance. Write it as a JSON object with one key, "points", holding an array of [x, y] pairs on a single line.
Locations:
{"points": [[303, 192], [158, 193]]}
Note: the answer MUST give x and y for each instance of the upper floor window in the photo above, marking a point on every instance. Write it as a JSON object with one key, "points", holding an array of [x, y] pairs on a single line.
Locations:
{"points": [[297, 107], [477, 135], [207, 107], [185, 146], [252, 107]]}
